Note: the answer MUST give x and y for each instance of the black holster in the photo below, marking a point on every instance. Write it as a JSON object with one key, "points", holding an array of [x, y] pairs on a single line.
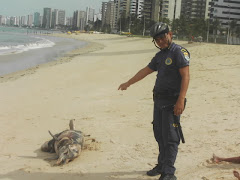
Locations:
{"points": [[176, 119]]}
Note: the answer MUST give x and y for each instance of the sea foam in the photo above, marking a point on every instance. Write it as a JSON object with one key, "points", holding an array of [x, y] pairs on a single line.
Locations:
{"points": [[41, 43]]}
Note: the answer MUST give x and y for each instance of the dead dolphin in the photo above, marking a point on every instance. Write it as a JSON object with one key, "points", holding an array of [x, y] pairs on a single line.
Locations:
{"points": [[67, 144]]}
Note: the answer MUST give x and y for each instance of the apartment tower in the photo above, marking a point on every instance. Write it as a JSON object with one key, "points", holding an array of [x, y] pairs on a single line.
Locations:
{"points": [[47, 18], [170, 9], [151, 9], [193, 8], [225, 11]]}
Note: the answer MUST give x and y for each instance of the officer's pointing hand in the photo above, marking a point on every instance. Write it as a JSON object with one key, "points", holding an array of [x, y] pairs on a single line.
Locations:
{"points": [[124, 86]]}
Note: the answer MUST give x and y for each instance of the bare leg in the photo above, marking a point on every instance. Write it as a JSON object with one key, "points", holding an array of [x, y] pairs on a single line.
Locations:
{"points": [[236, 174], [231, 159]]}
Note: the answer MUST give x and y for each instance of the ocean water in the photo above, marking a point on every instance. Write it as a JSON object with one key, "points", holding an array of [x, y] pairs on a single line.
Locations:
{"points": [[18, 40], [25, 48]]}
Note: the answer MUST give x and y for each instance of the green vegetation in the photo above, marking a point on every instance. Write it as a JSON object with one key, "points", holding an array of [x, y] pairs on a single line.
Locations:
{"points": [[183, 28]]}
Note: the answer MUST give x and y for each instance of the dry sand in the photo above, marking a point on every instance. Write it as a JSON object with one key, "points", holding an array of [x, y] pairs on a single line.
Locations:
{"points": [[83, 86]]}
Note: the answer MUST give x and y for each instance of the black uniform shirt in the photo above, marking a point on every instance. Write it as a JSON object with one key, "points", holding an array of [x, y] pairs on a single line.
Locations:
{"points": [[168, 62]]}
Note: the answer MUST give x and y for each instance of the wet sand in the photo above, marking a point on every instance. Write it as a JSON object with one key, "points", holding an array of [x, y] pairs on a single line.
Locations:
{"points": [[18, 61]]}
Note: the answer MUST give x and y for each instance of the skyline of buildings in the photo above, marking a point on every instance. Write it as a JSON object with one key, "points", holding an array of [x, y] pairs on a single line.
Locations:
{"points": [[112, 10], [50, 19]]}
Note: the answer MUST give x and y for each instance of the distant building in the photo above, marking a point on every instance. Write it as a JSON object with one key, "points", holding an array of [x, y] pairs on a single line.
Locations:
{"points": [[12, 21], [122, 8], [47, 18], [36, 21], [58, 18], [23, 21], [104, 10], [117, 10], [193, 8], [17, 21], [98, 16], [170, 9], [75, 20], [90, 14], [125, 7], [8, 21], [79, 20], [61, 17], [110, 14], [136, 7], [225, 11], [69, 21], [54, 18], [2, 20], [208, 8], [82, 20], [30, 21], [151, 10], [41, 20]]}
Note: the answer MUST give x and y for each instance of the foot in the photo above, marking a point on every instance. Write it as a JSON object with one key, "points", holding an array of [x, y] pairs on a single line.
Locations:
{"points": [[236, 174], [155, 171], [168, 177], [215, 159]]}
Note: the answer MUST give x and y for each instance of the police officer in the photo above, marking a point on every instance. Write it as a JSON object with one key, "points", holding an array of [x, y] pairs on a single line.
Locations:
{"points": [[172, 66]]}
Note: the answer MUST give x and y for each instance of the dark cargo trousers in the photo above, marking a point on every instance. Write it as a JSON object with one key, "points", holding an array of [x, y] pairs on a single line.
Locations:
{"points": [[166, 134]]}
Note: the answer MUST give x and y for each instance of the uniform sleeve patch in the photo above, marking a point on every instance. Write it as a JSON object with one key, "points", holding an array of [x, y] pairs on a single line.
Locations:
{"points": [[185, 54], [183, 50]]}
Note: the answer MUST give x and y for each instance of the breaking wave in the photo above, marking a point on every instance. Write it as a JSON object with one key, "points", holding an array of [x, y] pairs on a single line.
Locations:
{"points": [[41, 43]]}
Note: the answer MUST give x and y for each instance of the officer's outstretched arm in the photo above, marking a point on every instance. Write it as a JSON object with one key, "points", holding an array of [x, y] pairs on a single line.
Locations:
{"points": [[140, 75]]}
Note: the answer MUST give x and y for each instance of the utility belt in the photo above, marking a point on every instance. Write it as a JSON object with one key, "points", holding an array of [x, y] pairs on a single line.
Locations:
{"points": [[166, 96]]}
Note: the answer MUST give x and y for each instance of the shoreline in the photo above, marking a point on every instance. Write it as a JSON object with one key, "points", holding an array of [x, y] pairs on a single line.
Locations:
{"points": [[67, 56], [64, 58]]}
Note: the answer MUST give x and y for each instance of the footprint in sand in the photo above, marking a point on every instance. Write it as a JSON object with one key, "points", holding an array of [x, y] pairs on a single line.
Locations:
{"points": [[87, 118], [11, 138], [91, 144], [213, 131]]}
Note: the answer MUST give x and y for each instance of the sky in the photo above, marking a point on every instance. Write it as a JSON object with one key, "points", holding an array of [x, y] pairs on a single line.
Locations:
{"points": [[27, 7]]}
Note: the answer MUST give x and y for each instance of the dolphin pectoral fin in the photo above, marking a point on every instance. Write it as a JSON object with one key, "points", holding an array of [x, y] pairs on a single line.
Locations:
{"points": [[54, 137]]}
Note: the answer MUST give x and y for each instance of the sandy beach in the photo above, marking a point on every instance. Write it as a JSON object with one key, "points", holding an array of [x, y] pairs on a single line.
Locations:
{"points": [[83, 86]]}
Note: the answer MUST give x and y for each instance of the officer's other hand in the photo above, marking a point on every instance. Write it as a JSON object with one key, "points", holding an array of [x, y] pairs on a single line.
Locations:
{"points": [[124, 86], [179, 107]]}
